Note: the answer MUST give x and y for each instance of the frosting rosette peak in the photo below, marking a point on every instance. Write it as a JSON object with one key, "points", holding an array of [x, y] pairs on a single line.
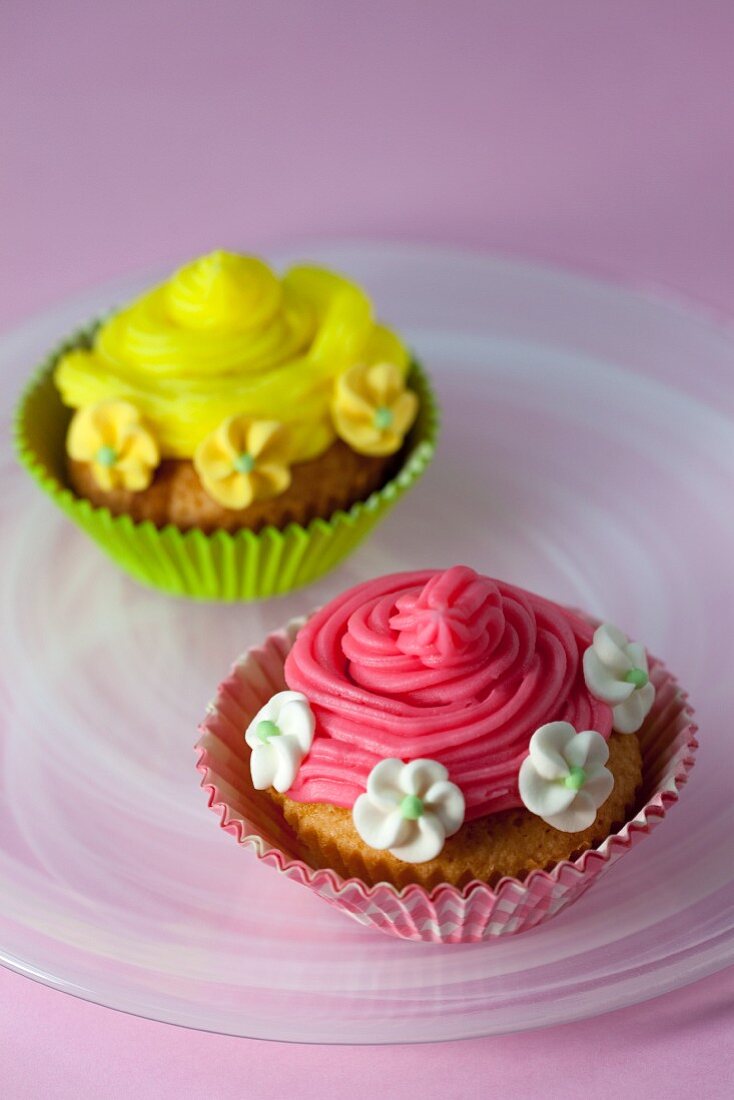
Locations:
{"points": [[446, 665], [456, 617], [223, 290]]}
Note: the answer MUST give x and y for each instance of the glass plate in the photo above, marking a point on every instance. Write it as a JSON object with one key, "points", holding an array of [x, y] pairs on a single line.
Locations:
{"points": [[587, 453]]}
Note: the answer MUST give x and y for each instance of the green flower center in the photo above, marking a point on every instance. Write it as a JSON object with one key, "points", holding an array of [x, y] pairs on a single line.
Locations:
{"points": [[637, 676], [106, 455], [411, 808], [244, 463], [383, 418], [265, 730], [575, 779]]}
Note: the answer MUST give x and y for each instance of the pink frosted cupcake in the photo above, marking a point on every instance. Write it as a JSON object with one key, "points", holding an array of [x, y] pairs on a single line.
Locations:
{"points": [[442, 738]]}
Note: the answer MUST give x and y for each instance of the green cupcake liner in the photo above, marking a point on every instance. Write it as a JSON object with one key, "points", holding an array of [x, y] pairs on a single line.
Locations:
{"points": [[221, 566]]}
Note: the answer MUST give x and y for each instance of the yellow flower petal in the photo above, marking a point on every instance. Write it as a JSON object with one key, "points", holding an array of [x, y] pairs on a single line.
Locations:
{"points": [[104, 476], [278, 451], [234, 491], [352, 403], [114, 418], [233, 434], [262, 435], [213, 459], [133, 474], [139, 445], [404, 411], [84, 437], [271, 480], [384, 383]]}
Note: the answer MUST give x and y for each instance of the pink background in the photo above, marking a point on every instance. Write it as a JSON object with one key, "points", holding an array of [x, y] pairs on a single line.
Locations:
{"points": [[594, 135]]}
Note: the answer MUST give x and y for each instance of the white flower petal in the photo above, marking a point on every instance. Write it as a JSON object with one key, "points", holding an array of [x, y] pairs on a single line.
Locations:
{"points": [[646, 695], [425, 842], [417, 776], [540, 795], [610, 644], [281, 699], [288, 756], [250, 735], [587, 750], [263, 765], [379, 829], [296, 719], [579, 816], [445, 800], [547, 749], [603, 682], [270, 712], [637, 656], [599, 786], [383, 783], [629, 716]]}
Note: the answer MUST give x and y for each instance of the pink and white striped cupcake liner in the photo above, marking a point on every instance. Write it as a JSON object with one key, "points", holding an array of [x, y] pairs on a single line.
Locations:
{"points": [[445, 914]]}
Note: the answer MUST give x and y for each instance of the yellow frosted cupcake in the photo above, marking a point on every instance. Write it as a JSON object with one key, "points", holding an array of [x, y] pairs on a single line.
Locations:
{"points": [[233, 400]]}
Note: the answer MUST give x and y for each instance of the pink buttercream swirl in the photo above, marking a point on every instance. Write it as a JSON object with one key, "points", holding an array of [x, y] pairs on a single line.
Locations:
{"points": [[448, 665]]}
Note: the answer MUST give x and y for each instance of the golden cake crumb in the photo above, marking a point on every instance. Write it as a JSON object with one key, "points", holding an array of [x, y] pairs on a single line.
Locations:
{"points": [[333, 481], [512, 842]]}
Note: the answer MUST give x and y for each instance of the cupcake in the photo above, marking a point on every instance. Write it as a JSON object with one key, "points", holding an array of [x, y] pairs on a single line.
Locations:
{"points": [[272, 412], [445, 733]]}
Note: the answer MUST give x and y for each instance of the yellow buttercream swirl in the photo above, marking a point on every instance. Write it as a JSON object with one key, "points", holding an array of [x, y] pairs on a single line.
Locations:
{"points": [[372, 409], [110, 435], [226, 337]]}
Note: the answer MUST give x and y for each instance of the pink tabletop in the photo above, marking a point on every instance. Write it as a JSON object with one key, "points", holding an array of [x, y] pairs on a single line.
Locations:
{"points": [[595, 136]]}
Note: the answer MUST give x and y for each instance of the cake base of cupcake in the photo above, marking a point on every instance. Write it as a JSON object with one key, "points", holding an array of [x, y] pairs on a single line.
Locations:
{"points": [[333, 481], [509, 843]]}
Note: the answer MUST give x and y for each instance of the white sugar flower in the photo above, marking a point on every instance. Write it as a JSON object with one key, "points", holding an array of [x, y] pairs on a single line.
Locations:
{"points": [[564, 780], [409, 809], [615, 670], [279, 735]]}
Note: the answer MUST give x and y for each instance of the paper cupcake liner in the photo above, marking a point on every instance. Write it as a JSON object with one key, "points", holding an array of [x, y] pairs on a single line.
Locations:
{"points": [[445, 914], [225, 566]]}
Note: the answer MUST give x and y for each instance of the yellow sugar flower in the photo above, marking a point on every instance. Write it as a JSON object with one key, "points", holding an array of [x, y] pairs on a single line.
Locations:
{"points": [[372, 410], [112, 437], [244, 460]]}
